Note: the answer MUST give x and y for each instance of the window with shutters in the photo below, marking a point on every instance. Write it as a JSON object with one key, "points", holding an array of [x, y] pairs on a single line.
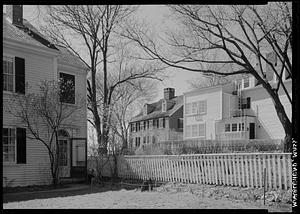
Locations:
{"points": [[67, 88], [8, 74], [9, 145]]}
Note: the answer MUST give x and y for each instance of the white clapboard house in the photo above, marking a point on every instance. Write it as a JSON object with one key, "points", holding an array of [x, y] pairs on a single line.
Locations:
{"points": [[29, 58], [241, 109]]}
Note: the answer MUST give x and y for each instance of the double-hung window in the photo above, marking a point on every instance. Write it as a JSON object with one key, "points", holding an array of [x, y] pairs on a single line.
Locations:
{"points": [[9, 145], [67, 88], [202, 107], [202, 130], [188, 108], [8, 73], [14, 145]]}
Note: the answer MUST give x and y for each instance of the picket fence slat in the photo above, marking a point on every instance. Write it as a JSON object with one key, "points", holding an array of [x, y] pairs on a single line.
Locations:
{"points": [[242, 169]]}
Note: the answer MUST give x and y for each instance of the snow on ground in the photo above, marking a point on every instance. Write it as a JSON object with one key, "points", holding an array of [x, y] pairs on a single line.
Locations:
{"points": [[131, 199]]}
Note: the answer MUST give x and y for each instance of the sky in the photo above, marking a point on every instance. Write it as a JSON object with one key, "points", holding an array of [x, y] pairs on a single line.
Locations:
{"points": [[157, 16]]}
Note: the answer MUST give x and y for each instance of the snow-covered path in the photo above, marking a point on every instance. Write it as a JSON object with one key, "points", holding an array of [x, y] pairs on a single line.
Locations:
{"points": [[124, 199]]}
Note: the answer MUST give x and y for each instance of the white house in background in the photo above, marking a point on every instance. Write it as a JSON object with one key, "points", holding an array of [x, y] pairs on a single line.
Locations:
{"points": [[239, 110], [29, 58]]}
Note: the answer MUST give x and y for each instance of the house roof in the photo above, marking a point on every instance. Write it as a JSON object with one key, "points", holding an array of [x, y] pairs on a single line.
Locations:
{"points": [[30, 35], [12, 32], [66, 57], [156, 111]]}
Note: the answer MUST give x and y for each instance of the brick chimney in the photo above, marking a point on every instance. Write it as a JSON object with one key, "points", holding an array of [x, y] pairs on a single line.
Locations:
{"points": [[15, 13], [169, 93]]}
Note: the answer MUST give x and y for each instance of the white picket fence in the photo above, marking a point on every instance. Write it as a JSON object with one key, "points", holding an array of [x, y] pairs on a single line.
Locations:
{"points": [[240, 169]]}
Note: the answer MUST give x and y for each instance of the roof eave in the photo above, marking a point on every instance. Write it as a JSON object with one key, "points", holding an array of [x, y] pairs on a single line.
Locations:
{"points": [[31, 47]]}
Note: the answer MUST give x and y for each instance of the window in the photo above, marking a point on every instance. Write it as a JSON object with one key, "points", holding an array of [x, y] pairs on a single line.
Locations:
{"points": [[153, 139], [67, 88], [227, 127], [144, 125], [164, 122], [246, 82], [188, 108], [188, 131], [194, 131], [234, 127], [148, 124], [246, 103], [202, 130], [144, 140], [9, 145], [8, 73], [133, 127], [194, 107], [241, 126], [202, 107]]}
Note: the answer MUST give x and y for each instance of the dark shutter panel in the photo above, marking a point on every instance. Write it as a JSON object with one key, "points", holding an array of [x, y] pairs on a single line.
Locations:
{"points": [[20, 75], [21, 145], [248, 102]]}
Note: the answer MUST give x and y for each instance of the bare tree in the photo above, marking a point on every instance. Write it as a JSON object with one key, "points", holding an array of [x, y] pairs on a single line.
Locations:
{"points": [[44, 113], [240, 35], [96, 27], [129, 100]]}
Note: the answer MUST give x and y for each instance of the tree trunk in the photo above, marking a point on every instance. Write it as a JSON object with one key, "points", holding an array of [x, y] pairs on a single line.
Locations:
{"points": [[283, 118]]}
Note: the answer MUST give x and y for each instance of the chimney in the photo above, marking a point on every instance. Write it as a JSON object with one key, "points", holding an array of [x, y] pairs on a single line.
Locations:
{"points": [[15, 13], [169, 93]]}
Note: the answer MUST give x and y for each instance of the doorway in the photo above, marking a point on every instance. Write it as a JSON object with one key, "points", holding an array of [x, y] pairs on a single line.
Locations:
{"points": [[64, 154], [252, 131]]}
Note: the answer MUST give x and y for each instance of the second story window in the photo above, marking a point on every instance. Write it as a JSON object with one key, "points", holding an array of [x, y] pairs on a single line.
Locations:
{"points": [[164, 106], [202, 107], [67, 88], [8, 73], [14, 74], [246, 82], [188, 108]]}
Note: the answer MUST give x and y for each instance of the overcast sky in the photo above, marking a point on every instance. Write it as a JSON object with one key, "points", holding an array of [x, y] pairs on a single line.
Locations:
{"points": [[157, 16]]}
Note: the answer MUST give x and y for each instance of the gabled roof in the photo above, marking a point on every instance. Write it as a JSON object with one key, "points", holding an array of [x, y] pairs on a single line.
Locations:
{"points": [[30, 35], [66, 57], [12, 32], [156, 111]]}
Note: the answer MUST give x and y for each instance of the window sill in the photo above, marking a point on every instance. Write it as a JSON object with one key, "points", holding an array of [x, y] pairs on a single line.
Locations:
{"points": [[9, 92]]}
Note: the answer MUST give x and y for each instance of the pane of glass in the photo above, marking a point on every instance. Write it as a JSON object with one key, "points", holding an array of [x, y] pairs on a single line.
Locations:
{"points": [[5, 132]]}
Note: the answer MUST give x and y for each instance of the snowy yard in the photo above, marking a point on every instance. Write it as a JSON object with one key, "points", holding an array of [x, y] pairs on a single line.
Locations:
{"points": [[169, 196], [130, 199]]}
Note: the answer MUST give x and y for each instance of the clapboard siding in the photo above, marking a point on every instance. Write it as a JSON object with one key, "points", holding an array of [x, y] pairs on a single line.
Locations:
{"points": [[38, 67], [267, 119], [213, 99]]}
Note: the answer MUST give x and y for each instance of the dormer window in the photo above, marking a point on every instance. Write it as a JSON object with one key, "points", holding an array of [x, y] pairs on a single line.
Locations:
{"points": [[164, 106], [145, 110]]}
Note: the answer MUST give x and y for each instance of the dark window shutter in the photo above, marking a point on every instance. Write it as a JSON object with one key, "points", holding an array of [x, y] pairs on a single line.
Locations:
{"points": [[21, 145], [248, 102], [20, 75]]}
